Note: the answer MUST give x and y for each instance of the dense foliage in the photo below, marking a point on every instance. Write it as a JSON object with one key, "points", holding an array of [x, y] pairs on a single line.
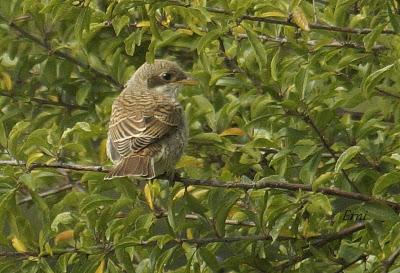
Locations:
{"points": [[294, 151]]}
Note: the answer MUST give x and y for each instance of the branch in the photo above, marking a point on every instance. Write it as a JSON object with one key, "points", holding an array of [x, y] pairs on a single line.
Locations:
{"points": [[261, 184], [54, 252], [390, 261], [321, 242], [311, 123], [289, 23], [99, 249], [47, 193], [359, 115], [60, 53], [345, 266], [56, 165], [44, 102], [387, 94], [227, 221], [234, 66], [264, 183], [280, 40], [199, 242], [205, 241], [162, 214], [313, 43]]}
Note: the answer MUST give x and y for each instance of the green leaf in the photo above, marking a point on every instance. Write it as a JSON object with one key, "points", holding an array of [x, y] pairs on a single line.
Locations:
{"points": [[14, 136], [205, 108], [153, 24], [394, 18], [132, 40], [396, 270], [284, 218], [128, 241], [222, 212], [261, 54], [319, 204], [380, 212], [7, 200], [93, 201], [164, 259], [82, 22], [346, 157], [209, 258], [322, 179], [349, 251], [308, 171], [44, 266], [41, 204], [301, 81], [206, 138], [386, 181], [370, 38], [373, 79], [3, 135], [119, 23], [206, 40], [33, 157], [63, 218], [82, 93], [79, 126], [161, 239], [274, 65], [151, 52], [194, 204]]}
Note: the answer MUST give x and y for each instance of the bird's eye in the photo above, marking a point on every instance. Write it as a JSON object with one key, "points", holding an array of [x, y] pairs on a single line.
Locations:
{"points": [[166, 76]]}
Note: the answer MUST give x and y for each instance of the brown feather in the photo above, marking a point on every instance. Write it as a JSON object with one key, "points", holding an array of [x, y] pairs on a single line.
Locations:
{"points": [[135, 165], [141, 121]]}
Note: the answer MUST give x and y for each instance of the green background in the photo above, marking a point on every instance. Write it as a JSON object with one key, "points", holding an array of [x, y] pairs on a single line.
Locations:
{"points": [[294, 121]]}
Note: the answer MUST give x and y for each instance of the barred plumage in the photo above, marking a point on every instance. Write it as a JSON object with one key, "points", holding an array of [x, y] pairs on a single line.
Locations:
{"points": [[147, 131]]}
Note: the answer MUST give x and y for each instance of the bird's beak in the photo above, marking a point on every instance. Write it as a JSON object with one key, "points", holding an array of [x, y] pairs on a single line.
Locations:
{"points": [[188, 81]]}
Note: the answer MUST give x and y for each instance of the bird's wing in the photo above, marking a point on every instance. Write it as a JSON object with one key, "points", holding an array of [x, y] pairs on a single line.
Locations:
{"points": [[139, 121]]}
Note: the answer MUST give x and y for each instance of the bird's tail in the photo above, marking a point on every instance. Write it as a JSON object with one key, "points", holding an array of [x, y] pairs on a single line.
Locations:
{"points": [[135, 165]]}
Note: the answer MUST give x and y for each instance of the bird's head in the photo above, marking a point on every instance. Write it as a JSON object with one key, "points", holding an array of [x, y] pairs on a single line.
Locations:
{"points": [[162, 76]]}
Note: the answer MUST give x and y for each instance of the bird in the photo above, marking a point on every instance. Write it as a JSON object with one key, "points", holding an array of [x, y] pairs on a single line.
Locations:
{"points": [[147, 131]]}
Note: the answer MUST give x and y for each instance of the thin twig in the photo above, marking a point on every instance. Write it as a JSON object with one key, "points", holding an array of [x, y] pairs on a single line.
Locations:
{"points": [[280, 40], [313, 43], [321, 242], [314, 26], [60, 53], [44, 102], [307, 119], [227, 221], [47, 193], [387, 94], [314, 11], [345, 266], [196, 241], [390, 261]]}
